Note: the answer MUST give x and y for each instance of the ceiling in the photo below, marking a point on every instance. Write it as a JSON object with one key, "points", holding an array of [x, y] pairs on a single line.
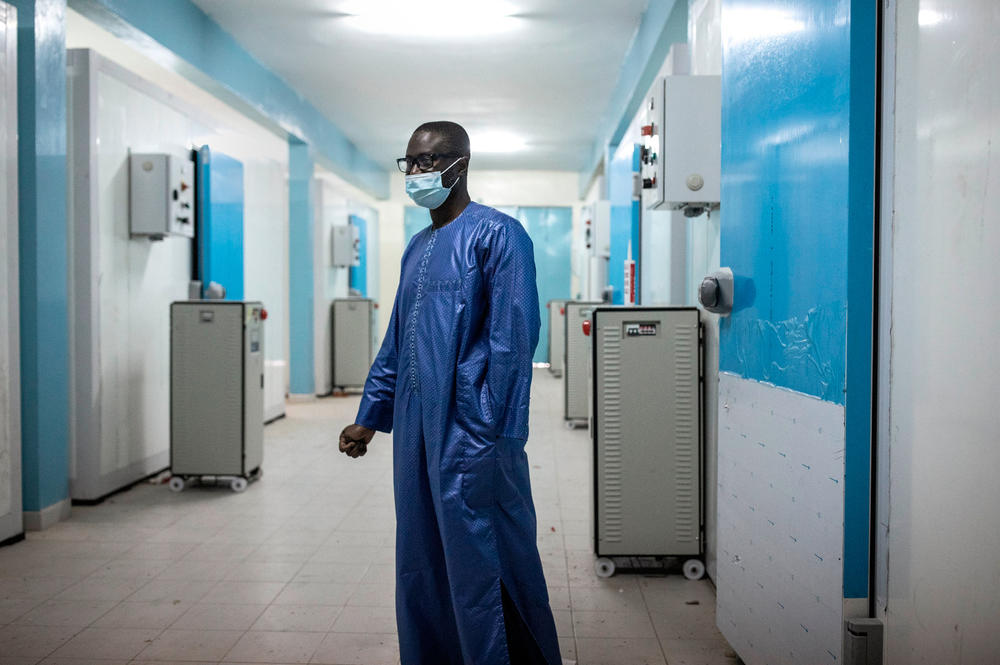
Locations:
{"points": [[544, 76]]}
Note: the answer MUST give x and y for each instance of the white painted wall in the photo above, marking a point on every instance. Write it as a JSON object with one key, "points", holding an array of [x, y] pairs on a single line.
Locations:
{"points": [[10, 377], [939, 421]]}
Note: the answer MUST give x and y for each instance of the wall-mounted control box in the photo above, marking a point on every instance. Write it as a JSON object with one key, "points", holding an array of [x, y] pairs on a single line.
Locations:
{"points": [[681, 144], [161, 195], [345, 246]]}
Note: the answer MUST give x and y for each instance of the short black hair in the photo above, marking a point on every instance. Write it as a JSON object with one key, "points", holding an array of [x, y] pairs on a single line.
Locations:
{"points": [[456, 139]]}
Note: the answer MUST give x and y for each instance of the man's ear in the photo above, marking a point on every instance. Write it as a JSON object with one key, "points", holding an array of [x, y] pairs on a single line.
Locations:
{"points": [[461, 168]]}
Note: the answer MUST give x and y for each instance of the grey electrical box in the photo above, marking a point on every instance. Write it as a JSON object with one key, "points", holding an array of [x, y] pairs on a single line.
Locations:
{"points": [[647, 431], [576, 359], [161, 195], [345, 246], [681, 153], [557, 335], [216, 388], [353, 341]]}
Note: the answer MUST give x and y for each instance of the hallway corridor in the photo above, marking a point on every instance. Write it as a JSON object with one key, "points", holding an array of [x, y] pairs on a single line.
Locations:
{"points": [[299, 568]]}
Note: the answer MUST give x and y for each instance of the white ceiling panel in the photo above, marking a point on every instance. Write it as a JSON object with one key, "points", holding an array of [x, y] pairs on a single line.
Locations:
{"points": [[543, 72]]}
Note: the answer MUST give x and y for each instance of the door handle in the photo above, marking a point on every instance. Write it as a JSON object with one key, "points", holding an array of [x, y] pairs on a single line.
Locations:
{"points": [[716, 292]]}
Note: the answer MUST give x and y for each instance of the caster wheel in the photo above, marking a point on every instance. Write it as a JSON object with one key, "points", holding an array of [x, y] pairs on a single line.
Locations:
{"points": [[570, 424], [694, 569], [176, 484], [604, 567], [238, 484]]}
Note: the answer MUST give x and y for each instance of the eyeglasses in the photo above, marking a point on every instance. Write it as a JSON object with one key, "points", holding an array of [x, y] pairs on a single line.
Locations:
{"points": [[423, 161]]}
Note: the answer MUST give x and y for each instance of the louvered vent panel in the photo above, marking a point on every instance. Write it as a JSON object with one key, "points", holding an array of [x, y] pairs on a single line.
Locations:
{"points": [[686, 513], [610, 422]]}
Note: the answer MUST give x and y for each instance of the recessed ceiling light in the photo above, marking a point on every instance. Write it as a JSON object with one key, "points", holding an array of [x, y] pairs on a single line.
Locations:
{"points": [[495, 141], [438, 19]]}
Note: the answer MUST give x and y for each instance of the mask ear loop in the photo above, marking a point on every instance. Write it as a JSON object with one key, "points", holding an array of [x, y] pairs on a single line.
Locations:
{"points": [[449, 166]]}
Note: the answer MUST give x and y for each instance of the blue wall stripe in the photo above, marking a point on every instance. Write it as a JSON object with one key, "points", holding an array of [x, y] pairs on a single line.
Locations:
{"points": [[415, 220], [217, 61], [220, 221], [43, 248], [551, 231], [860, 298], [300, 268], [359, 274], [664, 23]]}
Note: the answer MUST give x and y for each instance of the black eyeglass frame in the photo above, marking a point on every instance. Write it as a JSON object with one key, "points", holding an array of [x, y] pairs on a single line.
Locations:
{"points": [[424, 160]]}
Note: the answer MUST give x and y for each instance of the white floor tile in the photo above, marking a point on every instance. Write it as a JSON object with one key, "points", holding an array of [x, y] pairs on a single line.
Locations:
{"points": [[205, 616], [302, 618], [207, 645], [275, 647], [107, 643], [300, 567]]}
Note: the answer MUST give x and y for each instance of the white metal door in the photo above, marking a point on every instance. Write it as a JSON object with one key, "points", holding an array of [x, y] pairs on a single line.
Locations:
{"points": [[938, 533], [10, 378]]}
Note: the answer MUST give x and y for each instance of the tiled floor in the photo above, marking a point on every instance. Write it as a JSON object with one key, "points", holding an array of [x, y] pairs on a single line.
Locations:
{"points": [[299, 568]]}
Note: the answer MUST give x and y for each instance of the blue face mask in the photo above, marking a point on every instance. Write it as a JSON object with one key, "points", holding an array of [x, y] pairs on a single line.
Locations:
{"points": [[426, 189]]}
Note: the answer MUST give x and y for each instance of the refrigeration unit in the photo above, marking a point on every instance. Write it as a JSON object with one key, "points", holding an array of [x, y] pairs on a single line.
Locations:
{"points": [[575, 361], [557, 336], [353, 339], [647, 436], [216, 391]]}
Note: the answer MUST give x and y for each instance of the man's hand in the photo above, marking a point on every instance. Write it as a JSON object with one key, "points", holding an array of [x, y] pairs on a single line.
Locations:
{"points": [[354, 440]]}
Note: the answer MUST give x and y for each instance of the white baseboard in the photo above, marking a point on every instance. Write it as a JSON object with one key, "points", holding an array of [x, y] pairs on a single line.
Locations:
{"points": [[40, 520]]}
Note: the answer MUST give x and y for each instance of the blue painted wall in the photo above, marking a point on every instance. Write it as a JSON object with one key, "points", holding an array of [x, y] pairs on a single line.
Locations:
{"points": [[415, 219], [798, 157], [220, 221], [359, 273], [166, 31], [624, 219], [43, 243], [300, 268], [551, 231]]}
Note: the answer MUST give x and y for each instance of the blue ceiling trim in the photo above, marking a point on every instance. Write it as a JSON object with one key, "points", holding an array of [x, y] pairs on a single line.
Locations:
{"points": [[664, 23], [180, 36]]}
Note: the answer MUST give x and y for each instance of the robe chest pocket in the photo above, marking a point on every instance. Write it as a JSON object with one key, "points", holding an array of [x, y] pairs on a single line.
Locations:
{"points": [[443, 286]]}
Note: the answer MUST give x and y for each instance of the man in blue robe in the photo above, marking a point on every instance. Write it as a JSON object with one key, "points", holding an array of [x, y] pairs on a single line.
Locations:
{"points": [[452, 382]]}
